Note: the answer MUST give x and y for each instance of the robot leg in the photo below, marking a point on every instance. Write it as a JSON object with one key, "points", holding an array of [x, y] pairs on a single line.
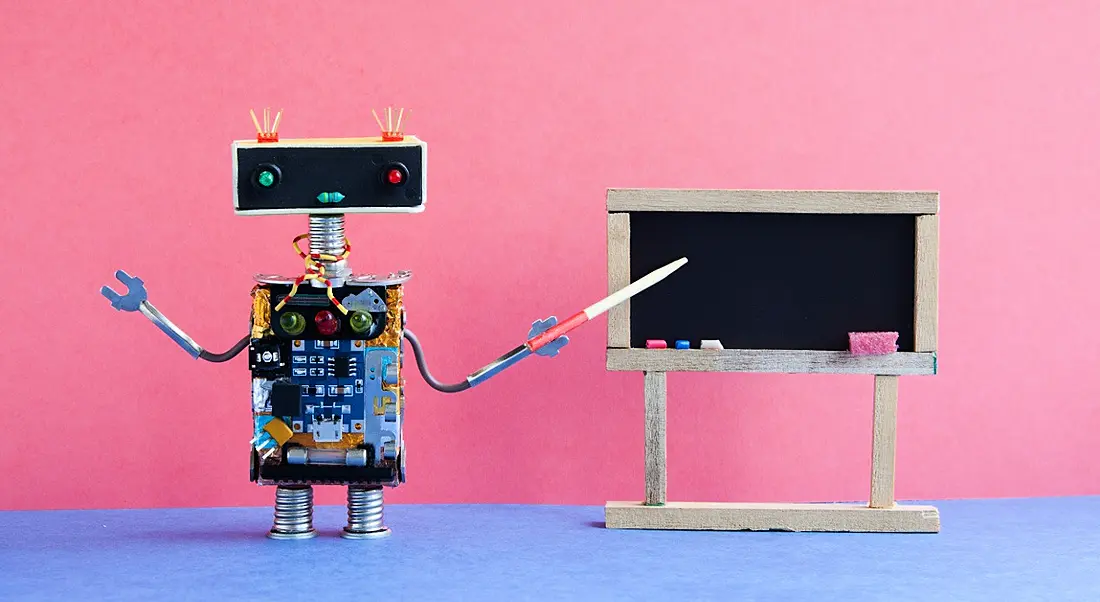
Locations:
{"points": [[293, 513], [365, 513]]}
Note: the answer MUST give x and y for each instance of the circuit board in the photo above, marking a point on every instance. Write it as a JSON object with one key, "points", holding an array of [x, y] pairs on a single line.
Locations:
{"points": [[337, 396]]}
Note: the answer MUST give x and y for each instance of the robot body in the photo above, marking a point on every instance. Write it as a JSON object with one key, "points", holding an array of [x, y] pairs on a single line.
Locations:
{"points": [[327, 387]]}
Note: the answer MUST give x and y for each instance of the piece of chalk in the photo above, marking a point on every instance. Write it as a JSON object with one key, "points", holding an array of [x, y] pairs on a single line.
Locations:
{"points": [[656, 344], [872, 343], [682, 344], [711, 344]]}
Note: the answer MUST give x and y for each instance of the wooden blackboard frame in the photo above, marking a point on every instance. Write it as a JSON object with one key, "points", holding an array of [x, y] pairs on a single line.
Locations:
{"points": [[924, 206], [881, 513]]}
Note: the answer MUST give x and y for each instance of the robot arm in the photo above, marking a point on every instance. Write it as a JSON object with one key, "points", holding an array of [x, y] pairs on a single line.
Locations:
{"points": [[418, 352], [136, 299], [218, 358], [546, 337], [493, 368]]}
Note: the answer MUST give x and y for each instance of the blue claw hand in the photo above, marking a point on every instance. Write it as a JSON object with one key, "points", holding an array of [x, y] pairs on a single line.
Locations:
{"points": [[135, 293], [550, 349]]}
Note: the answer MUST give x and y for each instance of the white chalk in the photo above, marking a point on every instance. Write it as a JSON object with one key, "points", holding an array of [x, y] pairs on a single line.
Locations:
{"points": [[711, 344]]}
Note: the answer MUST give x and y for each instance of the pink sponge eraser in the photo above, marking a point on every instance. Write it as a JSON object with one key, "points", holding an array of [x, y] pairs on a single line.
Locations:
{"points": [[656, 344], [872, 343]]}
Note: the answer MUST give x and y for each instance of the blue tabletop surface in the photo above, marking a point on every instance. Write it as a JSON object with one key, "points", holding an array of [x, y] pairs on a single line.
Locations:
{"points": [[1038, 549]]}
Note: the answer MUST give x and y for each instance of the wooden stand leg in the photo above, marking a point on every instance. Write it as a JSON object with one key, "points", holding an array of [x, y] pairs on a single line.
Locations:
{"points": [[882, 515], [884, 441], [656, 391]]}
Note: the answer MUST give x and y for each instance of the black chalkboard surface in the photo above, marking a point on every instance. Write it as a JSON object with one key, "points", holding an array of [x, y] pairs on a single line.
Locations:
{"points": [[786, 281]]}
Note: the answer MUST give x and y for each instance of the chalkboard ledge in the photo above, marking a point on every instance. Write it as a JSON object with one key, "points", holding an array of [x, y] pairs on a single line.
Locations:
{"points": [[770, 360]]}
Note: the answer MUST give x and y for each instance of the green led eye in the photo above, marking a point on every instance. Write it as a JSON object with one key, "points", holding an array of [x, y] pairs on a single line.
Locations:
{"points": [[292, 323], [266, 178], [361, 322]]}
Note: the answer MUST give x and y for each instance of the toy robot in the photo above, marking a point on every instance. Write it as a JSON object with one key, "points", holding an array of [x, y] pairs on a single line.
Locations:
{"points": [[326, 348]]}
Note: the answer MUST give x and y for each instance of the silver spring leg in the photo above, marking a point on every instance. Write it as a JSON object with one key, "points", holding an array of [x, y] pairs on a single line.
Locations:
{"points": [[365, 514], [293, 513], [326, 236]]}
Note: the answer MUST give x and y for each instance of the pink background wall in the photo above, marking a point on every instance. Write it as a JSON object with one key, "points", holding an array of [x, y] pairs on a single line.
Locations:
{"points": [[116, 123]]}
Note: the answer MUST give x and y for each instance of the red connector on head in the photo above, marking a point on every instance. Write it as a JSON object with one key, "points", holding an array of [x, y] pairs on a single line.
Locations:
{"points": [[269, 131], [391, 131]]}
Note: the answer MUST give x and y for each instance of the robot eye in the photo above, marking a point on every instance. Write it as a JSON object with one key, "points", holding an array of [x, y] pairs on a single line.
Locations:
{"points": [[395, 174], [266, 176]]}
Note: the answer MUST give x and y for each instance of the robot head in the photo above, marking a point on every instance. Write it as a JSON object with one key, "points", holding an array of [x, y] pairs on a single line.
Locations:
{"points": [[317, 176]]}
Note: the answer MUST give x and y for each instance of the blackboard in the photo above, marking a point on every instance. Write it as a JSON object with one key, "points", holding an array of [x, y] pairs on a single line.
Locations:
{"points": [[785, 281]]}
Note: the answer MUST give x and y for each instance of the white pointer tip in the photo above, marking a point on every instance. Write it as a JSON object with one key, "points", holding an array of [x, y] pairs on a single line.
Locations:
{"points": [[634, 288], [661, 273]]}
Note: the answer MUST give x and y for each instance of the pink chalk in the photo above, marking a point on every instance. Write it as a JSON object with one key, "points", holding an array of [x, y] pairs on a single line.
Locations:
{"points": [[656, 344], [872, 343]]}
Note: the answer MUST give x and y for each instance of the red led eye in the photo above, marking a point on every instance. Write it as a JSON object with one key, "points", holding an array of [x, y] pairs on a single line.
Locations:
{"points": [[327, 324], [394, 176]]}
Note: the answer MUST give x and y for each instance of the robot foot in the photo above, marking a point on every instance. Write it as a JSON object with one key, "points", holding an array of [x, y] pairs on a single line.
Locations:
{"points": [[293, 513], [365, 514]]}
